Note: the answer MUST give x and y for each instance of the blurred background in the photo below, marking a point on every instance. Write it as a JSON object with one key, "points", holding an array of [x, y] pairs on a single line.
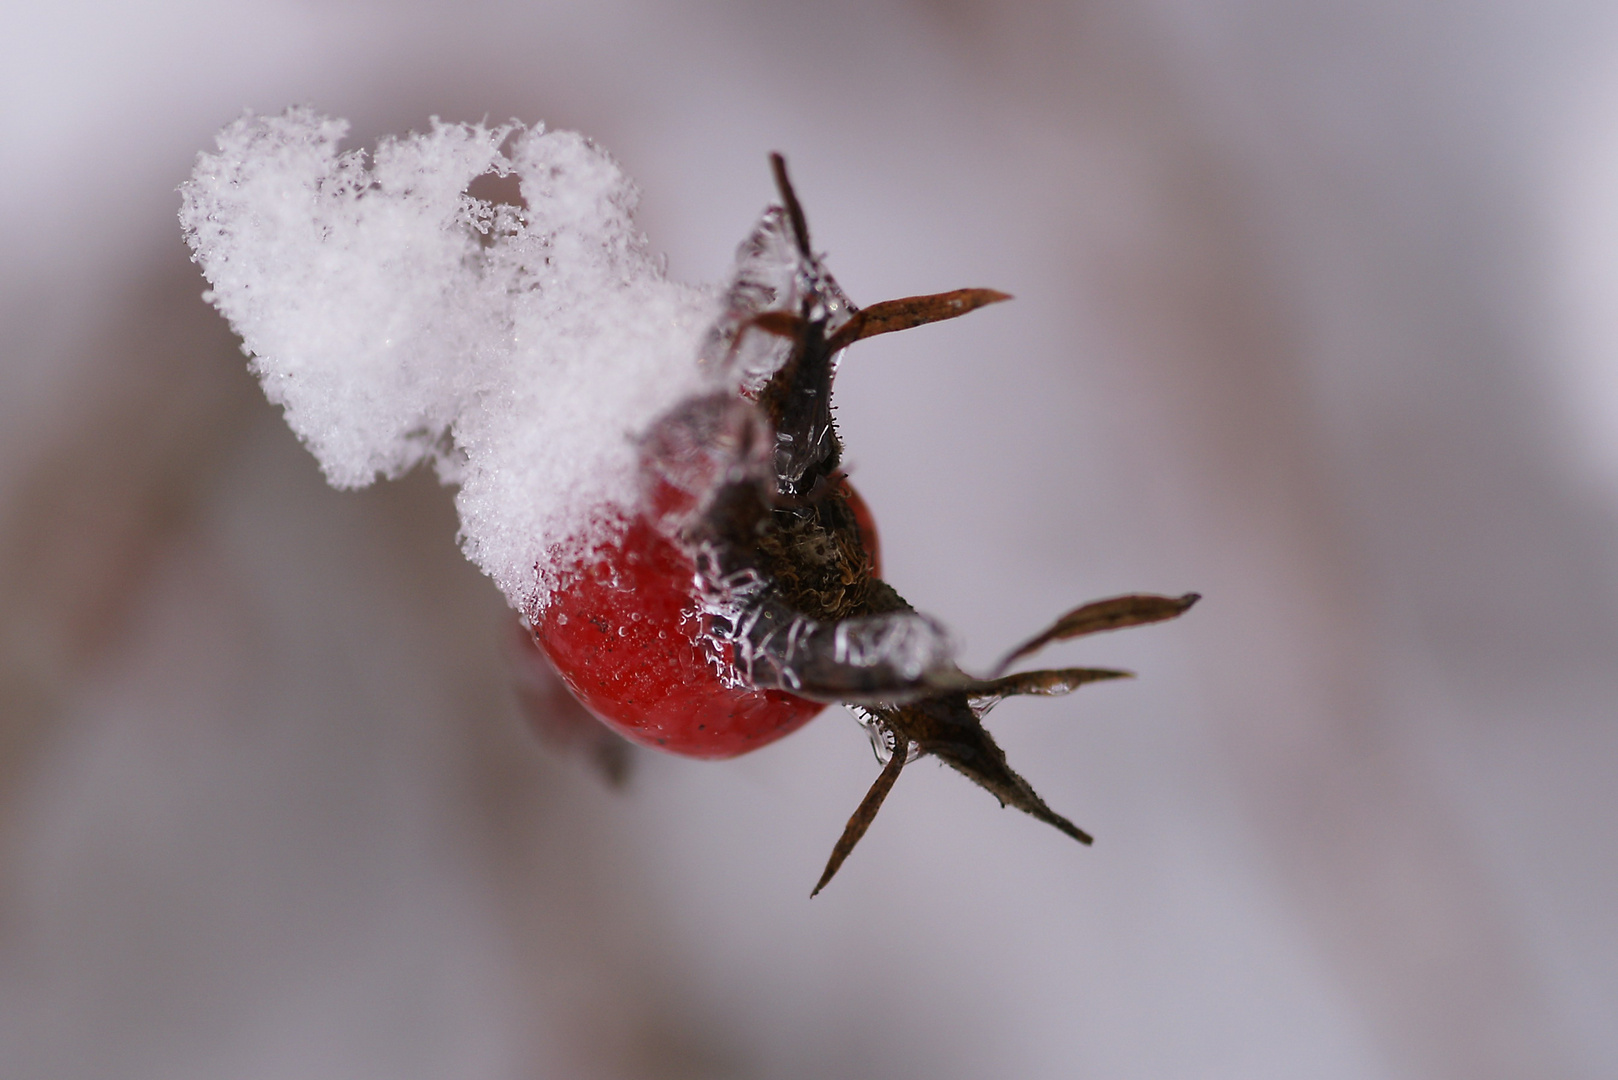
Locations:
{"points": [[1317, 314]]}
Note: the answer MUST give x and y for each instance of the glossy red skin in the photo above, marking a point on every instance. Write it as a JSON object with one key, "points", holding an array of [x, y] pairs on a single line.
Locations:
{"points": [[624, 636]]}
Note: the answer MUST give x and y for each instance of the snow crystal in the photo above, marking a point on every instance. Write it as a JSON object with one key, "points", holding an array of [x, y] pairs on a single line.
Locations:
{"points": [[399, 320]]}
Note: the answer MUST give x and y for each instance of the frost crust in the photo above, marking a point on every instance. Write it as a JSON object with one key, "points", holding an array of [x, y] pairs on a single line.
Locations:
{"points": [[398, 320]]}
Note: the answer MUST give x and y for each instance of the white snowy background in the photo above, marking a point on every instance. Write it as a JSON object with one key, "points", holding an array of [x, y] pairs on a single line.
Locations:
{"points": [[1317, 314]]}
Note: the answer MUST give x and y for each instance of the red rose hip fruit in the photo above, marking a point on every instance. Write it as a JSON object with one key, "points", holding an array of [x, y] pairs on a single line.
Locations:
{"points": [[627, 638]]}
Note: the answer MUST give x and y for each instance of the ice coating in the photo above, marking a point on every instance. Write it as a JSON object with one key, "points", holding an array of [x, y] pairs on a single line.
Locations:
{"points": [[398, 320]]}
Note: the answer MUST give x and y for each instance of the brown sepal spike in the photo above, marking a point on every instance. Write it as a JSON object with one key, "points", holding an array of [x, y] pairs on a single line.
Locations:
{"points": [[974, 754], [891, 315], [947, 727], [1099, 615], [863, 816], [789, 198], [780, 323], [1042, 683]]}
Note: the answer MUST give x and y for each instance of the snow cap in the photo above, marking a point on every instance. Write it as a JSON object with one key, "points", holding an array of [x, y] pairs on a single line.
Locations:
{"points": [[522, 350]]}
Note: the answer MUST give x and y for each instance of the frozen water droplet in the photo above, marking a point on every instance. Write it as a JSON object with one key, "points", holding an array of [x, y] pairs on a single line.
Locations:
{"points": [[561, 620], [882, 737]]}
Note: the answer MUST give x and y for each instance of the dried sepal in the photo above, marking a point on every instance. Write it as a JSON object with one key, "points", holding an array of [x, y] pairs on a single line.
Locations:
{"points": [[985, 693], [783, 324], [864, 814], [1137, 609], [794, 209], [891, 315]]}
